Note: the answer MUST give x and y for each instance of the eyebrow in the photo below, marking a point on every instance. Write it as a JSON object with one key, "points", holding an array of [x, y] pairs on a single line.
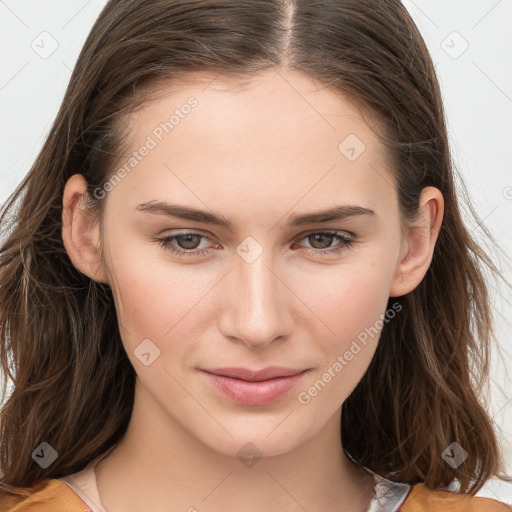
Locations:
{"points": [[216, 219]]}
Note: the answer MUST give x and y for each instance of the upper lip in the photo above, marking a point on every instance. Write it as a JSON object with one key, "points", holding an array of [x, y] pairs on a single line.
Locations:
{"points": [[270, 372]]}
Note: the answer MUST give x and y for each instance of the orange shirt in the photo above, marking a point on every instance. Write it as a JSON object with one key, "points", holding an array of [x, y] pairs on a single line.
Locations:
{"points": [[53, 495], [47, 495], [78, 492], [421, 499]]}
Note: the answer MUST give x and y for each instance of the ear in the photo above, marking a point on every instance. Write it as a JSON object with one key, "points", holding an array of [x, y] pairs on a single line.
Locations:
{"points": [[418, 244], [80, 231]]}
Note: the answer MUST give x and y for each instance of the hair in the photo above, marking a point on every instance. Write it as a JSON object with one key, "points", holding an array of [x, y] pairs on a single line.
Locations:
{"points": [[73, 384]]}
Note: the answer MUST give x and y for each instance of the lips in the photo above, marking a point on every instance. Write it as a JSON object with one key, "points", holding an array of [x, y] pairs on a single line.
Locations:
{"points": [[254, 387], [270, 372]]}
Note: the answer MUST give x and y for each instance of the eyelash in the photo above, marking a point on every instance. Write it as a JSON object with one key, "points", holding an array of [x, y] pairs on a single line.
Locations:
{"points": [[166, 243]]}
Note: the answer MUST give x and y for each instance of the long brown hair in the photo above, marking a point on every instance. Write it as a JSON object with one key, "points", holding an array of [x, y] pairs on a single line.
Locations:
{"points": [[73, 385]]}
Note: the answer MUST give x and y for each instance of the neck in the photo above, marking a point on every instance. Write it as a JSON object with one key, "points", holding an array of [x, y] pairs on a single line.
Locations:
{"points": [[158, 465]]}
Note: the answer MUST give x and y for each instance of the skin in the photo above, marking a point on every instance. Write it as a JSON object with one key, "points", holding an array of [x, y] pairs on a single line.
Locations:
{"points": [[255, 155]]}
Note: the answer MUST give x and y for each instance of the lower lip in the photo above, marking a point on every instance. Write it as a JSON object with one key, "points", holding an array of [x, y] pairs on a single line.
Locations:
{"points": [[254, 393]]}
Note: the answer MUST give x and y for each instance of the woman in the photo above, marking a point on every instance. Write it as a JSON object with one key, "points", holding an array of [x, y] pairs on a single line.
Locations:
{"points": [[231, 282]]}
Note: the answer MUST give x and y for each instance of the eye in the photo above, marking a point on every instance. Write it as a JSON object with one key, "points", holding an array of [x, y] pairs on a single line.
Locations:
{"points": [[187, 240], [321, 242], [186, 243]]}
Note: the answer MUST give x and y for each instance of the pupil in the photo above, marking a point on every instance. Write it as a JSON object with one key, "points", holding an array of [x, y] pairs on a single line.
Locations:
{"points": [[187, 238], [320, 236]]}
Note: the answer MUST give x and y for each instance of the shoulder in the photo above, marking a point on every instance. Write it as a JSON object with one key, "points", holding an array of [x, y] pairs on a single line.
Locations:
{"points": [[46, 495], [422, 499]]}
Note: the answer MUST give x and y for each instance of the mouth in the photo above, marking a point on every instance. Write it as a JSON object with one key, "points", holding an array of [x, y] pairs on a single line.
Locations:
{"points": [[254, 387]]}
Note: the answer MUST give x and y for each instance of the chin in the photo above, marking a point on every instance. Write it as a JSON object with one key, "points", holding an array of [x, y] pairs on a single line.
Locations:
{"points": [[256, 438]]}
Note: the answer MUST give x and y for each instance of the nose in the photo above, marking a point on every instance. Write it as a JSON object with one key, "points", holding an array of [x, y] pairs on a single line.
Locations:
{"points": [[256, 310]]}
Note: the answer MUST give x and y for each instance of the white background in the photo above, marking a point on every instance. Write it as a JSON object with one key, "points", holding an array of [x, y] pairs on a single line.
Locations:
{"points": [[477, 91]]}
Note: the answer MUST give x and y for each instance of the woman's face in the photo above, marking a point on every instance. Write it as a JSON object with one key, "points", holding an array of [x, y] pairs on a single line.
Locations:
{"points": [[277, 283]]}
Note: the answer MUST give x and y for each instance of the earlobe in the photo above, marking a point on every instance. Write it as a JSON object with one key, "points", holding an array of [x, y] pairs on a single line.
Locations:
{"points": [[419, 243], [80, 231]]}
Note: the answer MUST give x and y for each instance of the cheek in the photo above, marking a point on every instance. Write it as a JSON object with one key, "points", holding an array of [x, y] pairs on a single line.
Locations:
{"points": [[157, 301], [351, 302]]}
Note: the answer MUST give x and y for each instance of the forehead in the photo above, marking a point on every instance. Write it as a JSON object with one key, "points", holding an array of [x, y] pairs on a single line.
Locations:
{"points": [[274, 104], [276, 135]]}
